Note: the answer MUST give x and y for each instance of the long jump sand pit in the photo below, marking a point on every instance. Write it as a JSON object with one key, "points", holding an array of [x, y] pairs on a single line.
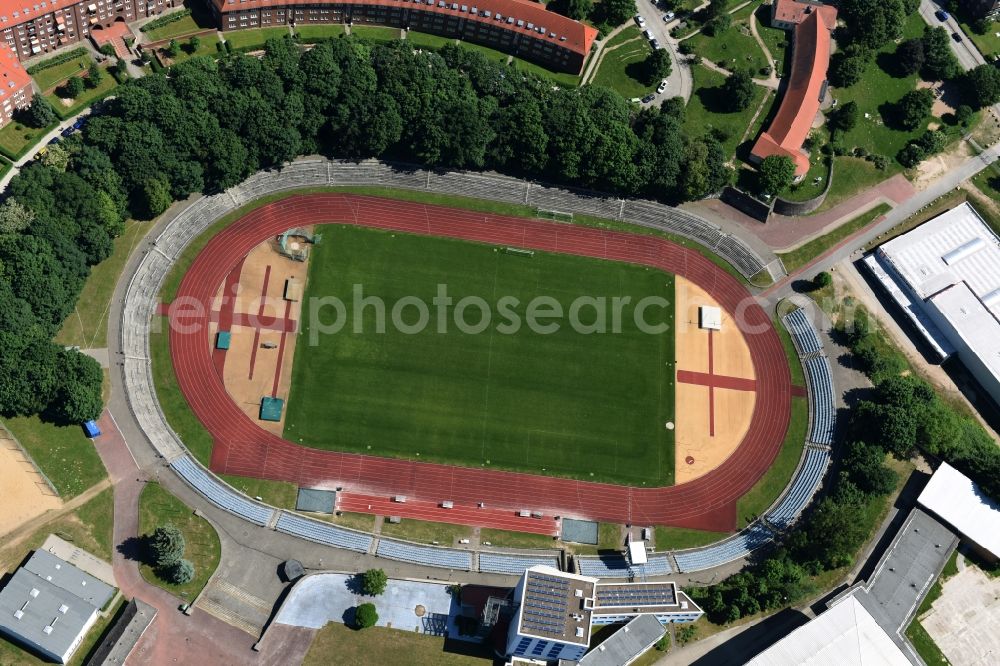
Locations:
{"points": [[26, 495], [715, 386], [262, 324]]}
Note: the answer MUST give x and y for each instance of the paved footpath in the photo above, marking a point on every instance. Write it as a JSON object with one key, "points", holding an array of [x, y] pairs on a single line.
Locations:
{"points": [[174, 637]]}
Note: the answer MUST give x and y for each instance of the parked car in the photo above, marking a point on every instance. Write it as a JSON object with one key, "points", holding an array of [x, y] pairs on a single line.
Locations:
{"points": [[80, 122], [54, 140], [957, 37], [639, 21], [648, 98], [69, 130], [663, 86], [669, 16], [655, 43], [647, 33], [942, 15]]}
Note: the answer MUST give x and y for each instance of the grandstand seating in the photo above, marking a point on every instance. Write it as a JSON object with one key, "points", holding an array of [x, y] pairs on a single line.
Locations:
{"points": [[615, 566], [428, 555], [805, 484], [824, 411], [803, 333], [220, 494], [331, 535], [514, 564], [734, 548]]}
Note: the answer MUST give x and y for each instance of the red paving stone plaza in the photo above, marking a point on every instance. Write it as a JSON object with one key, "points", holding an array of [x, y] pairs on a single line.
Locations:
{"points": [[244, 448]]}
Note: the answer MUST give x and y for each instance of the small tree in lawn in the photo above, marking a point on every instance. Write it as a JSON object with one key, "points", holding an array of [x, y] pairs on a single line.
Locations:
{"points": [[173, 49], [365, 616], [913, 107], [94, 75], [844, 119], [373, 582], [822, 280], [658, 66], [168, 546], [40, 113], [193, 44], [74, 87], [181, 573], [738, 90], [776, 172]]}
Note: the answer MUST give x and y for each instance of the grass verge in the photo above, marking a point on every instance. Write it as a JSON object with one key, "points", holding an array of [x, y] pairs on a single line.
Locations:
{"points": [[505, 539], [425, 531], [338, 644], [63, 453], [802, 255], [87, 326], [70, 107], [16, 138], [679, 538], [158, 507]]}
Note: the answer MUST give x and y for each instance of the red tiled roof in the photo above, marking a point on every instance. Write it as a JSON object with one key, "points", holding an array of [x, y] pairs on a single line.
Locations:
{"points": [[15, 12], [791, 125], [579, 37], [12, 74], [795, 11]]}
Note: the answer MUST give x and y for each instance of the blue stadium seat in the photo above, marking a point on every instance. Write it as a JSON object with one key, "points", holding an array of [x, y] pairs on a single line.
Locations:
{"points": [[806, 482], [726, 551], [219, 493], [803, 333], [331, 535], [513, 564], [824, 411], [428, 555]]}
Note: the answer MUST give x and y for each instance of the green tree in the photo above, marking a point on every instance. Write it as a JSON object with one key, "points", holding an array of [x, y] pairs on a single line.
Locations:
{"points": [[365, 616], [873, 24], [910, 56], [845, 118], [14, 217], [775, 173], [823, 279], [167, 545], [940, 62], [614, 12], [848, 66], [718, 25], [194, 44], [156, 197], [738, 90], [575, 9], [981, 86], [173, 48], [40, 113], [74, 87], [913, 108], [180, 573], [94, 75], [77, 397], [657, 65], [56, 157], [373, 582]]}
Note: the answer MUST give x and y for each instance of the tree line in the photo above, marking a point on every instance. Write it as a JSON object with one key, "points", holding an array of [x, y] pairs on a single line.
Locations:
{"points": [[205, 125]]}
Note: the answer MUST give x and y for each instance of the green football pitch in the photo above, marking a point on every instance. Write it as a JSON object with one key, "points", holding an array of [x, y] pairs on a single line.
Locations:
{"points": [[585, 405]]}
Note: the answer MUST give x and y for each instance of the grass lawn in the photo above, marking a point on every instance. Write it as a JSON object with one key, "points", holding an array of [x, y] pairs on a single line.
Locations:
{"points": [[851, 175], [70, 107], [338, 644], [812, 184], [621, 69], [735, 48], [317, 31], [563, 79], [609, 537], [776, 40], [50, 77], [63, 453], [158, 507], [678, 538], [179, 28], [626, 35], [281, 494], [355, 521], [175, 408], [505, 539], [989, 43], [376, 33], [876, 94], [705, 110], [16, 139], [87, 326], [924, 644], [503, 398], [803, 255], [767, 489], [424, 531], [423, 40], [207, 47], [251, 40], [491, 54]]}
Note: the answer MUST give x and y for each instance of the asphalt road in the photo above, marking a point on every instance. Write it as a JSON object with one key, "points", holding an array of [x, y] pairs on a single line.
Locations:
{"points": [[679, 83], [966, 52]]}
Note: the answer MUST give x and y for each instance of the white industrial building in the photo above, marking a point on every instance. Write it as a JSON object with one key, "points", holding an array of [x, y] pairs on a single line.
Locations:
{"points": [[959, 502], [945, 275], [555, 611]]}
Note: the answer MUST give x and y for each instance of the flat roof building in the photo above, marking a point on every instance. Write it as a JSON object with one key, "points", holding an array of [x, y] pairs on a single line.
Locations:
{"points": [[49, 605], [812, 24], [945, 276], [957, 500], [627, 644], [556, 610], [844, 634]]}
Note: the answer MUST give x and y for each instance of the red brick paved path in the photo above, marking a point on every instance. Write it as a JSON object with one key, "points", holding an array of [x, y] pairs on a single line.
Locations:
{"points": [[242, 447]]}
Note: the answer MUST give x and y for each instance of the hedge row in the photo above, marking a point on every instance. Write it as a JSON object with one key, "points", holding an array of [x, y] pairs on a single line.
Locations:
{"points": [[58, 60], [165, 20]]}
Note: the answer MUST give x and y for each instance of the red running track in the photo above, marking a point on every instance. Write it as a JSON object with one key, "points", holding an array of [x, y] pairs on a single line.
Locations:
{"points": [[244, 448]]}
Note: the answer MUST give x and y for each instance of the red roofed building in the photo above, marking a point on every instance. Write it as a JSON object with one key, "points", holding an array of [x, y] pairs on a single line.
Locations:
{"points": [[520, 27], [34, 27], [806, 85], [15, 85]]}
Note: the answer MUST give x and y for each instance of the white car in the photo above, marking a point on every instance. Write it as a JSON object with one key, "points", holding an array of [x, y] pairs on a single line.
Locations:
{"points": [[639, 21], [669, 16], [663, 86]]}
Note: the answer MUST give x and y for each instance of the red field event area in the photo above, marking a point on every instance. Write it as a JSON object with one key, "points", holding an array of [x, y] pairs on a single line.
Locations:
{"points": [[479, 496]]}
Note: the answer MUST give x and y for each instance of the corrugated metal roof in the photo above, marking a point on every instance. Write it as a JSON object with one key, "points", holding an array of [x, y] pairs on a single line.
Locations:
{"points": [[958, 501]]}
